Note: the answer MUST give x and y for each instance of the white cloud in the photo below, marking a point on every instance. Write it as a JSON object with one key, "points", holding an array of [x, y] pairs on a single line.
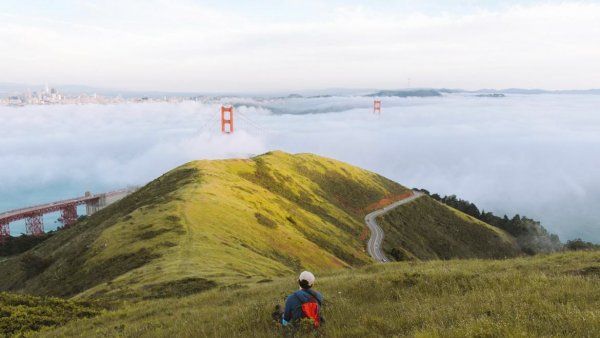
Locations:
{"points": [[533, 155], [109, 145]]}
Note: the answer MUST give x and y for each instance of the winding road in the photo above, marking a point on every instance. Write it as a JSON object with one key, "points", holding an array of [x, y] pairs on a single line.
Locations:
{"points": [[374, 246]]}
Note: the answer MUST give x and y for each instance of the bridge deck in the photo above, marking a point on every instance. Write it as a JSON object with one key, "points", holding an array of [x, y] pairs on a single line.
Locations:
{"points": [[17, 214]]}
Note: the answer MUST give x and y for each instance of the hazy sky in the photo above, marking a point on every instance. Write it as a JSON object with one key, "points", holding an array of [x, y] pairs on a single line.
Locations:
{"points": [[279, 45]]}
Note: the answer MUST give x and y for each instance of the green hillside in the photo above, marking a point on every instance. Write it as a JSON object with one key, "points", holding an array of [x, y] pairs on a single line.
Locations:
{"points": [[210, 223], [210, 247], [427, 229], [553, 295]]}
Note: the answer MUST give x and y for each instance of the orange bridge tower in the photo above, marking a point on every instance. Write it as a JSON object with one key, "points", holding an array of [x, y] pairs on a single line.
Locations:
{"points": [[377, 106], [227, 119]]}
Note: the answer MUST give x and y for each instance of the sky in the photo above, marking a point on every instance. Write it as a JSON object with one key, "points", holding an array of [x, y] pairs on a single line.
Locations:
{"points": [[239, 46], [535, 155]]}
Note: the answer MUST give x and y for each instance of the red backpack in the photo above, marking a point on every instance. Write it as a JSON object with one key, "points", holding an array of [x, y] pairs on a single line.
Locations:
{"points": [[311, 309]]}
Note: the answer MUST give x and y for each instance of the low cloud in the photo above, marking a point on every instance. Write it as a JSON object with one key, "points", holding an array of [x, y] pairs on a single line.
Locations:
{"points": [[532, 155], [104, 147]]}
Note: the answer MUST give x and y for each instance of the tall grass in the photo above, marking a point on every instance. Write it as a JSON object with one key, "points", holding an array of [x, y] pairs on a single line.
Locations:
{"points": [[555, 295]]}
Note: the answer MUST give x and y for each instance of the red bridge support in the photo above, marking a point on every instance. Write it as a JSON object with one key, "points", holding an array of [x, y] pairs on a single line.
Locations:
{"points": [[33, 215], [227, 119], [377, 106], [34, 225], [4, 232], [68, 215]]}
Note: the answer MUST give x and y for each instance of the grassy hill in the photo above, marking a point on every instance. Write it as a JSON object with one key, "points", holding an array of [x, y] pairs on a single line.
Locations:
{"points": [[553, 295], [208, 224], [210, 247], [427, 229]]}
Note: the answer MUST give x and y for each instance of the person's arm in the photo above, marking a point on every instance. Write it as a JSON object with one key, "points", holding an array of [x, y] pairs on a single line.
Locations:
{"points": [[287, 313], [319, 297]]}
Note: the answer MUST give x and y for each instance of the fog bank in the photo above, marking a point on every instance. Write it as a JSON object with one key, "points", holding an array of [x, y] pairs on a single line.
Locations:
{"points": [[534, 155]]}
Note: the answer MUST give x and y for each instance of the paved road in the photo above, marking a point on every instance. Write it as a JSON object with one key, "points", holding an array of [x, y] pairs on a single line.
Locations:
{"points": [[374, 246]]}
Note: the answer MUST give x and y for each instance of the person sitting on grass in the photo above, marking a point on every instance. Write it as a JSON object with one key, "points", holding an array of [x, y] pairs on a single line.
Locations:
{"points": [[304, 303]]}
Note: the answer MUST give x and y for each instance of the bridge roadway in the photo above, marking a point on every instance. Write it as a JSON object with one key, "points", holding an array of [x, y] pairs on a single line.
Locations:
{"points": [[33, 214]]}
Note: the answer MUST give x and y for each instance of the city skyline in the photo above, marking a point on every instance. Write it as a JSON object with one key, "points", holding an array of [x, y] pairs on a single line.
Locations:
{"points": [[20, 95]]}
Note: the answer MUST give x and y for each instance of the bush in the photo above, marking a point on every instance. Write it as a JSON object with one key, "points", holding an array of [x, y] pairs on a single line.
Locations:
{"points": [[32, 264], [179, 288], [399, 255], [17, 245], [264, 220], [579, 244], [22, 313]]}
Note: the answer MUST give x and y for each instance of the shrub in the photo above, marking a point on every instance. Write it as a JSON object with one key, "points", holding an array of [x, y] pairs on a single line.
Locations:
{"points": [[20, 244], [579, 244], [264, 220], [23, 313], [32, 264], [179, 288]]}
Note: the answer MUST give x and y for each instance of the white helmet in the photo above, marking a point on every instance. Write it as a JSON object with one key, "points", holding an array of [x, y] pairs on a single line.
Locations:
{"points": [[308, 277]]}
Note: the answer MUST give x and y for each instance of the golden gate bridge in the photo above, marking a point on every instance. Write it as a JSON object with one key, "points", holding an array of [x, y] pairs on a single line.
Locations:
{"points": [[33, 215]]}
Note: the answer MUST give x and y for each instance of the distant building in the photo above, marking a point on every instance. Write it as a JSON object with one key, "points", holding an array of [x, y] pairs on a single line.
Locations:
{"points": [[15, 101]]}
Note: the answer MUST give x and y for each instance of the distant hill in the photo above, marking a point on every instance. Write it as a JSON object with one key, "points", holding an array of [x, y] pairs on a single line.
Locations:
{"points": [[427, 229], [491, 95], [407, 93], [539, 91], [211, 222], [220, 223]]}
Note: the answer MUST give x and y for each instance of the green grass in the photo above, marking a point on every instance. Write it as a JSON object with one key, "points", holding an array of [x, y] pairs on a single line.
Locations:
{"points": [[209, 248], [77, 258], [427, 229], [226, 222], [553, 295]]}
